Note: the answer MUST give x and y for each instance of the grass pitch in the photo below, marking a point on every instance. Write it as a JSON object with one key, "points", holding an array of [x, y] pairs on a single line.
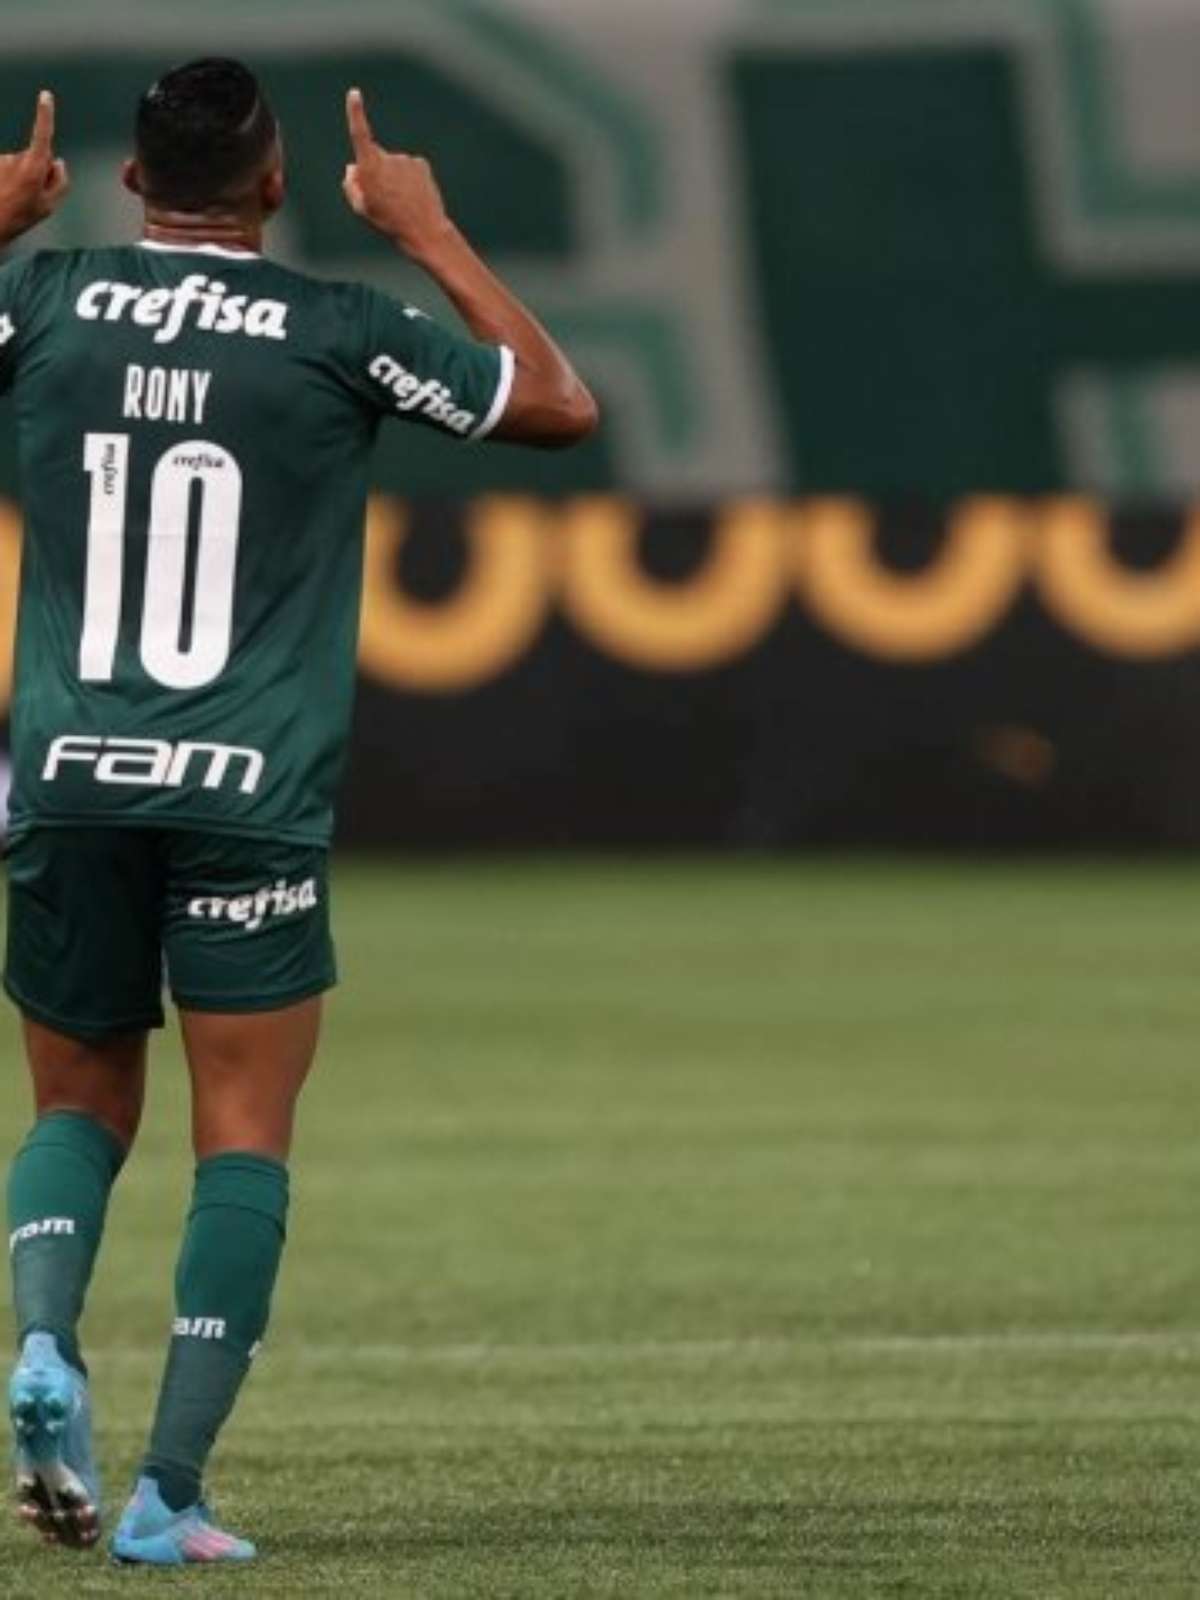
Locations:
{"points": [[768, 1229]]}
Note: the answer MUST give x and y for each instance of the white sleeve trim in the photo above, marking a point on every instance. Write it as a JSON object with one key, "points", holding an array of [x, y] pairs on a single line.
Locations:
{"points": [[508, 371]]}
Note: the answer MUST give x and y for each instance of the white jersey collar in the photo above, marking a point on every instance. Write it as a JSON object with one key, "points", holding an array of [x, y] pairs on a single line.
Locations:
{"points": [[199, 250]]}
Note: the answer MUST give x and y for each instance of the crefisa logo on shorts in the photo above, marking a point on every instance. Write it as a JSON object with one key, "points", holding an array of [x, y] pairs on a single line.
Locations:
{"points": [[279, 899]]}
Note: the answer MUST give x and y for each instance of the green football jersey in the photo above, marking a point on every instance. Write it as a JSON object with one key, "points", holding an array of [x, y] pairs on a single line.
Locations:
{"points": [[194, 428]]}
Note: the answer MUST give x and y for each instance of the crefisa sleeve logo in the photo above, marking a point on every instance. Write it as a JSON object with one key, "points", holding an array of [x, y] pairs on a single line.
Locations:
{"points": [[430, 397]]}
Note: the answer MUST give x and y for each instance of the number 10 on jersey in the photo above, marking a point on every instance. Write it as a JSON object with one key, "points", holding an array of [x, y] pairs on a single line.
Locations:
{"points": [[195, 481]]}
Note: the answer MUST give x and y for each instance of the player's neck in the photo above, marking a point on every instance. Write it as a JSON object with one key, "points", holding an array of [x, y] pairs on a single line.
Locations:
{"points": [[231, 232]]}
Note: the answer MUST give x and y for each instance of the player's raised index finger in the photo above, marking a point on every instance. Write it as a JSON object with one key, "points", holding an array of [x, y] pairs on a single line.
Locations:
{"points": [[361, 136], [41, 140]]}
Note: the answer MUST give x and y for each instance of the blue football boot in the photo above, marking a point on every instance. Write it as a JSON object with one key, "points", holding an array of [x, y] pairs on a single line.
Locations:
{"points": [[58, 1488], [151, 1534]]}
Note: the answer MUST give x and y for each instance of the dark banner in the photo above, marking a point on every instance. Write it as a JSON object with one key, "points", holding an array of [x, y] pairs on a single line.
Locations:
{"points": [[998, 672]]}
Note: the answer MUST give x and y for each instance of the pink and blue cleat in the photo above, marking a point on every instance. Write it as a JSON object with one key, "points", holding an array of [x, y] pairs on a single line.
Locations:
{"points": [[58, 1490], [151, 1534]]}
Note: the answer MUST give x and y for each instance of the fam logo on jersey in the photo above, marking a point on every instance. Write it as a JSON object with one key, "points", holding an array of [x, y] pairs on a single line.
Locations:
{"points": [[281, 899], [154, 763], [205, 302], [430, 397], [7, 329]]}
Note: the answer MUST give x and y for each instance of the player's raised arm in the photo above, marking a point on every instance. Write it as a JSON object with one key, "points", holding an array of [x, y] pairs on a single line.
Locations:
{"points": [[398, 195], [32, 181]]}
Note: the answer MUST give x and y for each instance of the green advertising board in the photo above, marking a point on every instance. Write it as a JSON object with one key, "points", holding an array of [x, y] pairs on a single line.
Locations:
{"points": [[889, 246]]}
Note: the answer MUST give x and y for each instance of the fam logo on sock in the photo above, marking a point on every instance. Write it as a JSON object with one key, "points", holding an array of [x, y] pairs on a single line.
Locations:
{"points": [[47, 1228], [198, 1327]]}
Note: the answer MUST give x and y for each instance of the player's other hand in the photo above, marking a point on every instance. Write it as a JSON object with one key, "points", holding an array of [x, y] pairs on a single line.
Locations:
{"points": [[397, 194], [32, 181]]}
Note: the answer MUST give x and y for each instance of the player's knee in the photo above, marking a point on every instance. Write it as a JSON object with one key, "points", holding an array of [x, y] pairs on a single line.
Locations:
{"points": [[103, 1080], [120, 1117], [249, 1124]]}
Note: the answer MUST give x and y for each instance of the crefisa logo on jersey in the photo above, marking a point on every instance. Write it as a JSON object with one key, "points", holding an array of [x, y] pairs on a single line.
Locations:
{"points": [[203, 302]]}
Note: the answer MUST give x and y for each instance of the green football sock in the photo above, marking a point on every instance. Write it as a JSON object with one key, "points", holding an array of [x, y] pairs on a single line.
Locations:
{"points": [[223, 1286], [58, 1189]]}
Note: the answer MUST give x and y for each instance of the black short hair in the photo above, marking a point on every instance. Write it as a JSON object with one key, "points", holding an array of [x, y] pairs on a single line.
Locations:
{"points": [[204, 131]]}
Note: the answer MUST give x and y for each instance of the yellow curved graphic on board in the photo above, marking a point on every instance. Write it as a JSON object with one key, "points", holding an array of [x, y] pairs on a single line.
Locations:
{"points": [[486, 625], [715, 615], [944, 609], [1084, 585]]}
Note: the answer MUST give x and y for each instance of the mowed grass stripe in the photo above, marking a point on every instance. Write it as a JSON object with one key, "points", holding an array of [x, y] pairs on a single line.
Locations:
{"points": [[732, 1229], [734, 1350]]}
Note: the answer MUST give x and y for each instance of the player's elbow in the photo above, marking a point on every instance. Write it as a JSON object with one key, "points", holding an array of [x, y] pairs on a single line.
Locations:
{"points": [[587, 413], [577, 418], [550, 415]]}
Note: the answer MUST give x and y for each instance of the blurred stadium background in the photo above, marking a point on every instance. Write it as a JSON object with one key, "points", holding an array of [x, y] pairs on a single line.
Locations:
{"points": [[765, 1222], [895, 309]]}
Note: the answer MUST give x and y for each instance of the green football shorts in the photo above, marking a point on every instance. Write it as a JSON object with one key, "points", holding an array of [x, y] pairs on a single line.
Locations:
{"points": [[93, 913]]}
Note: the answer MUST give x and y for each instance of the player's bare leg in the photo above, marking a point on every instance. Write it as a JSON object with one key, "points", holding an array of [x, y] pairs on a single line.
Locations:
{"points": [[247, 1072], [88, 1097], [104, 1080]]}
